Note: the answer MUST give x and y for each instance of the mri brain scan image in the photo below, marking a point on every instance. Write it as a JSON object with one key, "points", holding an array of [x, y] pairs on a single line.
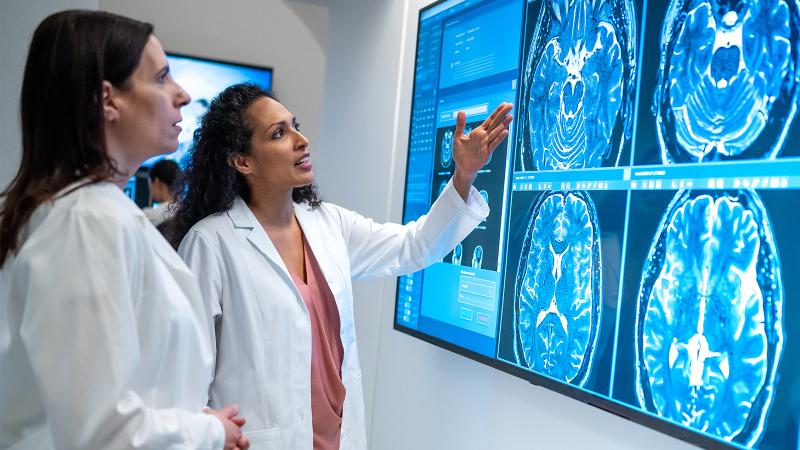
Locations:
{"points": [[477, 257], [579, 78], [709, 328], [727, 83], [557, 292], [457, 253], [447, 149], [485, 196]]}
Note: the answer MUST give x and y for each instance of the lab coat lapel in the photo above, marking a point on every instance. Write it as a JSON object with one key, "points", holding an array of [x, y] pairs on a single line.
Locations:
{"points": [[243, 219], [315, 234]]}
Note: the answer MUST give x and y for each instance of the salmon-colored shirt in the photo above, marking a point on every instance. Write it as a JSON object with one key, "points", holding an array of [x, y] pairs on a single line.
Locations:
{"points": [[327, 389]]}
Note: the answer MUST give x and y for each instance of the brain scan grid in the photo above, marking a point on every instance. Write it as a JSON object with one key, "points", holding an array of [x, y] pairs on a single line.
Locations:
{"points": [[641, 252]]}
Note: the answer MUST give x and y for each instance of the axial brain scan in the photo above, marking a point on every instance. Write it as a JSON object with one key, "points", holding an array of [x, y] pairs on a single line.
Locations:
{"points": [[447, 149], [457, 253], [579, 77], [728, 75], [477, 257], [558, 287], [709, 329]]}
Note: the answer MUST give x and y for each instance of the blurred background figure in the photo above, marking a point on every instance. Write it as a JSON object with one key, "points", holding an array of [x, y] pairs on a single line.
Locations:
{"points": [[165, 177]]}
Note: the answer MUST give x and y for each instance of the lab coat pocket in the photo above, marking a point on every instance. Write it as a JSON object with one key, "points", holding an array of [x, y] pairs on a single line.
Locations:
{"points": [[264, 439]]}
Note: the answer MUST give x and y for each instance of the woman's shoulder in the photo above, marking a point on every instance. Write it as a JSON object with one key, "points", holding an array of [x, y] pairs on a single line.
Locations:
{"points": [[335, 215], [215, 229], [99, 211], [102, 203], [329, 213], [216, 223]]}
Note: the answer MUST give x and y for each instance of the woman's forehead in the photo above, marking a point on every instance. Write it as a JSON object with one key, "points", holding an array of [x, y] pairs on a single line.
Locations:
{"points": [[153, 57], [265, 112]]}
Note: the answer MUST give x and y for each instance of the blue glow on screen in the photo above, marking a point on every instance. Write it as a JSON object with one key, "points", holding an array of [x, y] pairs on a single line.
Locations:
{"points": [[642, 242]]}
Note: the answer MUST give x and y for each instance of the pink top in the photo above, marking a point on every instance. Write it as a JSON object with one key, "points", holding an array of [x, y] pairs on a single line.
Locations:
{"points": [[327, 389]]}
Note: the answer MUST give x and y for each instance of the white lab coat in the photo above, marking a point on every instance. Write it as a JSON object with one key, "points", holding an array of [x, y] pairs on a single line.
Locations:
{"points": [[100, 347], [263, 331]]}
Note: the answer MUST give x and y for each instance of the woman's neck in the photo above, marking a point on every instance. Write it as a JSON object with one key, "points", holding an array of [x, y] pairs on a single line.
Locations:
{"points": [[124, 164], [272, 208]]}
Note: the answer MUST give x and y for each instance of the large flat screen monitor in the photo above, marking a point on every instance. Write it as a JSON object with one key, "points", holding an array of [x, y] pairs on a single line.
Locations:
{"points": [[642, 252], [203, 79]]}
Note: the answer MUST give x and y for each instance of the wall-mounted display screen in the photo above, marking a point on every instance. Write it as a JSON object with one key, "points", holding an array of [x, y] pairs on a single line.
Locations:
{"points": [[203, 79], [642, 251]]}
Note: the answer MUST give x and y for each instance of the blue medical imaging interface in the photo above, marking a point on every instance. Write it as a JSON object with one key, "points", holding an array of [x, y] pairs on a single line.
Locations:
{"points": [[642, 251]]}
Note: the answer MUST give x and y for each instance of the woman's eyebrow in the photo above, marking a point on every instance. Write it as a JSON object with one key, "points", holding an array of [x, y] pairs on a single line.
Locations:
{"points": [[164, 70]]}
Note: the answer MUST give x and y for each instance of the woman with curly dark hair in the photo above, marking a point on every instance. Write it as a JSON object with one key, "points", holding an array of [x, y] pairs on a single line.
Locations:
{"points": [[275, 265], [101, 346]]}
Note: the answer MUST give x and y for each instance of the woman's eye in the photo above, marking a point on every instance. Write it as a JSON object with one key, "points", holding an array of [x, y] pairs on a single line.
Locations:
{"points": [[296, 126], [278, 133]]}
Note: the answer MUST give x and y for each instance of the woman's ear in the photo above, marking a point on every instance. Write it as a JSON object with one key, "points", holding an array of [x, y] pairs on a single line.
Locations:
{"points": [[242, 163], [110, 110]]}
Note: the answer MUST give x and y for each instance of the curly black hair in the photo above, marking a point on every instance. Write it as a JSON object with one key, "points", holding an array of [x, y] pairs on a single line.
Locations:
{"points": [[211, 184]]}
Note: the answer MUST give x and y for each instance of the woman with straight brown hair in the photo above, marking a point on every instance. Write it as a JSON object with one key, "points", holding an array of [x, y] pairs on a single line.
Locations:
{"points": [[101, 345]]}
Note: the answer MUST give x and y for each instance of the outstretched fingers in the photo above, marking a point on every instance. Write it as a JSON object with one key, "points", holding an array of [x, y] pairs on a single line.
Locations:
{"points": [[499, 128], [495, 142], [497, 117]]}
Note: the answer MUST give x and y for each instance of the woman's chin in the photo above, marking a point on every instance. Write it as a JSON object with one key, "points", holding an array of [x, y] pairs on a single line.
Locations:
{"points": [[166, 148], [307, 180]]}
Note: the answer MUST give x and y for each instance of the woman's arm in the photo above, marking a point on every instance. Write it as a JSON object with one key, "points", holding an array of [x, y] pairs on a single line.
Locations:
{"points": [[81, 333], [198, 253], [392, 249]]}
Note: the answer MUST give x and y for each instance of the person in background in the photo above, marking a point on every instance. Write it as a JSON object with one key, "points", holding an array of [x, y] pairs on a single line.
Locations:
{"points": [[164, 186], [276, 264], [101, 344]]}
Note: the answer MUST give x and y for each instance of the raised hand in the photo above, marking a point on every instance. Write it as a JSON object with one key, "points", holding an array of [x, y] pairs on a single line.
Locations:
{"points": [[472, 151]]}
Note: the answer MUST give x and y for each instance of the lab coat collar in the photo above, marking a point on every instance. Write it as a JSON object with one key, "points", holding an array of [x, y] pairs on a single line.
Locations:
{"points": [[244, 220]]}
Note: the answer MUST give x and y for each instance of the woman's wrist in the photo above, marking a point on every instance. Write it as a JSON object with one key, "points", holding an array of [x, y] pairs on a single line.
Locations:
{"points": [[463, 183]]}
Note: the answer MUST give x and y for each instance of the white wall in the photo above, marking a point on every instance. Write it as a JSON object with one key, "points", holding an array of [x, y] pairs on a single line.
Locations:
{"points": [[423, 397], [18, 20], [287, 35]]}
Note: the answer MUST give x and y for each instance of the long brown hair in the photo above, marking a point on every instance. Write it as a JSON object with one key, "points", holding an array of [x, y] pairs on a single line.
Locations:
{"points": [[63, 141]]}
